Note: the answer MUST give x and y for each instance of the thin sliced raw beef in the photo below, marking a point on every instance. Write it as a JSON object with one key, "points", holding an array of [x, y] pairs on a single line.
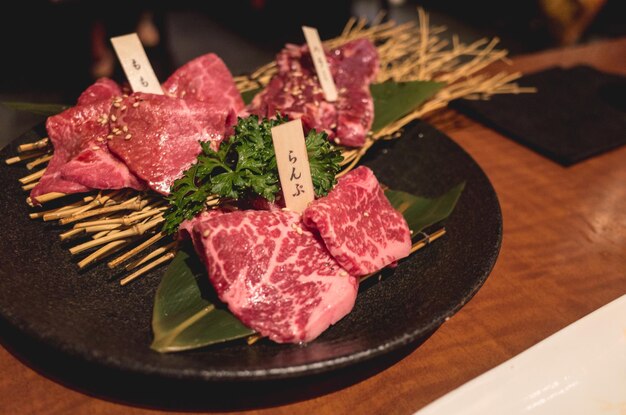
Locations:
{"points": [[207, 79], [81, 159], [276, 276], [97, 168], [358, 224], [185, 229], [295, 91], [157, 136], [103, 88]]}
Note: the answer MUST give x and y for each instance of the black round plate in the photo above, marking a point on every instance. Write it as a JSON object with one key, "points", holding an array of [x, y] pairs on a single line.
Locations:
{"points": [[90, 317]]}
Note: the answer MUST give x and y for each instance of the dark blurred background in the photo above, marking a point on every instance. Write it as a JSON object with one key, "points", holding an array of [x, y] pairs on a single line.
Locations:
{"points": [[52, 50]]}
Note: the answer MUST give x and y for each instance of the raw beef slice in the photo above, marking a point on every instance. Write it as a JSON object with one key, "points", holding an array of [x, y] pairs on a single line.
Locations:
{"points": [[158, 136], [360, 228], [207, 79], [81, 159], [276, 276], [295, 91], [103, 88]]}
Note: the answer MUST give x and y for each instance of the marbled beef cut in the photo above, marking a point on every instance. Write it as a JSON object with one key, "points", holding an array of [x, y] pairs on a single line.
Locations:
{"points": [[276, 276], [81, 159], [295, 91], [157, 136], [360, 228], [102, 89], [165, 141], [207, 79]]}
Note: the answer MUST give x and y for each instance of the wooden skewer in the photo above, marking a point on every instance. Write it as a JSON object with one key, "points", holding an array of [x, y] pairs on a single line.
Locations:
{"points": [[32, 177], [104, 233], [253, 339], [88, 204], [33, 146], [357, 157], [37, 162], [71, 233], [46, 197], [107, 249], [59, 214], [136, 250], [100, 200], [131, 204], [68, 207], [100, 228], [167, 257], [430, 238], [29, 186], [151, 255], [125, 220], [135, 230], [37, 215], [22, 157]]}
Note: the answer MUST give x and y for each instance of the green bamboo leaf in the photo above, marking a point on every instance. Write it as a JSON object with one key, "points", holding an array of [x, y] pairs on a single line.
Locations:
{"points": [[421, 212], [249, 95], [393, 100], [37, 108], [182, 318]]}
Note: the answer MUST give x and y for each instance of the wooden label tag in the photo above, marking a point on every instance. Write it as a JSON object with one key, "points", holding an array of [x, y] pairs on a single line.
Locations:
{"points": [[294, 170], [320, 62], [136, 65]]}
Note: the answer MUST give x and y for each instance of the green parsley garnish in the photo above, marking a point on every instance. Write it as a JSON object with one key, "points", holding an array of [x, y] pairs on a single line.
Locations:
{"points": [[245, 167]]}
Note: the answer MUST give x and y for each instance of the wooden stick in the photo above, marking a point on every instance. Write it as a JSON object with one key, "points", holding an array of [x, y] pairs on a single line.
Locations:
{"points": [[423, 19], [253, 339], [348, 27], [22, 157], [29, 186], [151, 255], [37, 162], [106, 249], [33, 146], [32, 177], [37, 215], [60, 214], [357, 157], [100, 228], [138, 216], [135, 230], [136, 250], [100, 200], [46, 197], [71, 233], [167, 257], [132, 204], [427, 240], [104, 233], [125, 220]]}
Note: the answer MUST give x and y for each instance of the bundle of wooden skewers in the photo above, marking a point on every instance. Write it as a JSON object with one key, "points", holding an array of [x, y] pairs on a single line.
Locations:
{"points": [[128, 223]]}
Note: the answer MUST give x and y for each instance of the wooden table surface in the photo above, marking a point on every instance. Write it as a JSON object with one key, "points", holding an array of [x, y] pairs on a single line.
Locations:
{"points": [[563, 255]]}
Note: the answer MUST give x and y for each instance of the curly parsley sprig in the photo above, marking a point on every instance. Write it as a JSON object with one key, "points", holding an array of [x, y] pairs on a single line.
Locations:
{"points": [[245, 167]]}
